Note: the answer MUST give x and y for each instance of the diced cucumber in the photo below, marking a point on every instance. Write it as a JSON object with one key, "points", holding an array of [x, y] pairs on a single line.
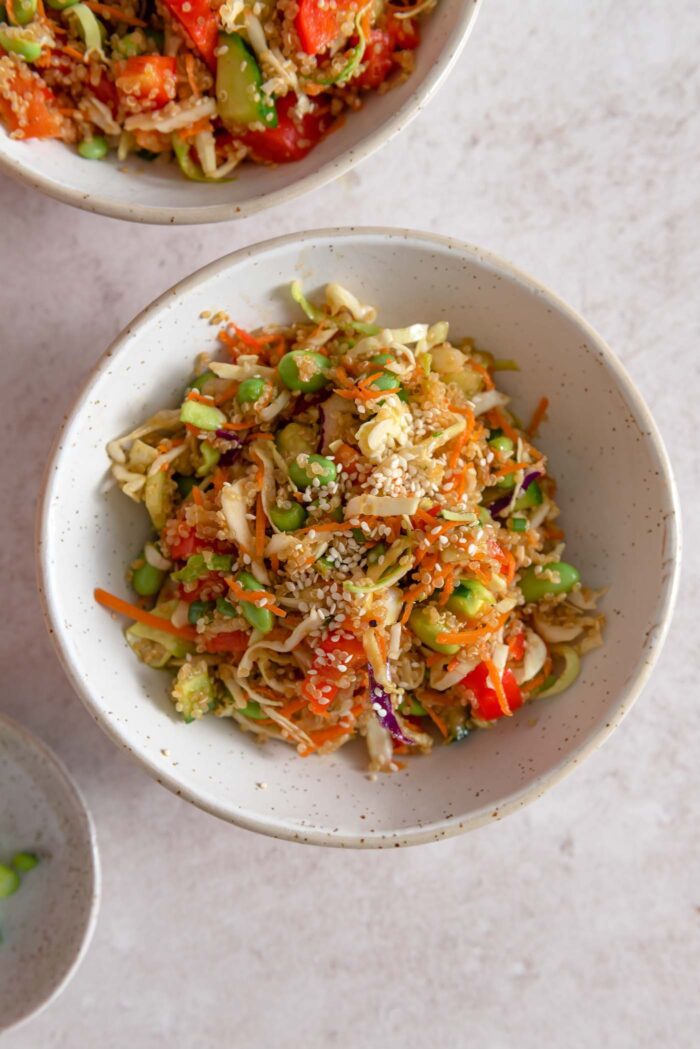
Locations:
{"points": [[239, 95]]}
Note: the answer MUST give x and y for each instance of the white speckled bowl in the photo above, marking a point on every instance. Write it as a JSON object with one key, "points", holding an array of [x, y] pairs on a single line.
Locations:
{"points": [[616, 492], [48, 922], [143, 192]]}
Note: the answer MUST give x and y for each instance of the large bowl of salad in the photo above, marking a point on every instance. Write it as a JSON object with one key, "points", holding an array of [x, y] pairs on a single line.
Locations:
{"points": [[359, 538], [177, 111]]}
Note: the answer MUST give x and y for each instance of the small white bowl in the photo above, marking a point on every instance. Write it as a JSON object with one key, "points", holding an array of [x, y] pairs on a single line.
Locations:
{"points": [[615, 489], [48, 922], [142, 192]]}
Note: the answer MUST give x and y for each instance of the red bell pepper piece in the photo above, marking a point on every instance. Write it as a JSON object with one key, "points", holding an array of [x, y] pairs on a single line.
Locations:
{"points": [[405, 33], [199, 21], [149, 78], [378, 60], [292, 139], [318, 23], [186, 546], [40, 120], [487, 706], [231, 641]]}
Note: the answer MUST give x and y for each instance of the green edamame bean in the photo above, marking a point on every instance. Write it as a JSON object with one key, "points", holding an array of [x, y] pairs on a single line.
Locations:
{"points": [[296, 438], [250, 390], [535, 586], [259, 618], [506, 482], [147, 580], [469, 599], [501, 443], [94, 148], [426, 623], [9, 880], [304, 370], [198, 609], [386, 381], [316, 467], [23, 12], [25, 861], [225, 608], [381, 358], [288, 519], [532, 497]]}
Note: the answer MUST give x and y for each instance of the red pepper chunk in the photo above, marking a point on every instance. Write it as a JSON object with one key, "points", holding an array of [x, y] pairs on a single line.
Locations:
{"points": [[200, 22], [182, 549], [487, 706], [149, 78], [292, 139], [377, 60], [318, 22], [231, 641], [36, 117]]}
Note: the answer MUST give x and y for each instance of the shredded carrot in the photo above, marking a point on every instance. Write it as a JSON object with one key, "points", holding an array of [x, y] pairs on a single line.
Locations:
{"points": [[292, 708], [369, 379], [459, 443], [259, 527], [434, 657], [436, 719], [227, 393], [495, 678], [189, 69], [237, 426], [124, 608], [325, 735], [538, 417], [503, 424], [510, 468], [327, 526], [381, 645], [114, 13], [275, 562], [197, 495], [253, 596], [72, 52], [261, 437], [449, 585], [468, 637], [9, 4], [485, 375], [407, 612], [219, 479], [540, 679], [193, 395]]}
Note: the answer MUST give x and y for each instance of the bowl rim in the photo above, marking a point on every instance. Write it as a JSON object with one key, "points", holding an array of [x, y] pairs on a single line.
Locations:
{"points": [[33, 742], [438, 829], [327, 172]]}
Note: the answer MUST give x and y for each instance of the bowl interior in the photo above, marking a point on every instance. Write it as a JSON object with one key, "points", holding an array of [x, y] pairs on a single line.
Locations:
{"points": [[614, 489], [151, 192], [46, 924]]}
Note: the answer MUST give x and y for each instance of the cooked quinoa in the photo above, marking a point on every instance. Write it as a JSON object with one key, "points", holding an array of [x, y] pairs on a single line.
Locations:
{"points": [[209, 84], [352, 536]]}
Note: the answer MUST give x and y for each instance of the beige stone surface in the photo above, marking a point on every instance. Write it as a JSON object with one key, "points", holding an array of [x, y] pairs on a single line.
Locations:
{"points": [[568, 140]]}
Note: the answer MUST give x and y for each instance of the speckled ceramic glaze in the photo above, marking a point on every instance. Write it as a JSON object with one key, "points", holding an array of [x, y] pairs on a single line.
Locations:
{"points": [[145, 192], [48, 922], [615, 490]]}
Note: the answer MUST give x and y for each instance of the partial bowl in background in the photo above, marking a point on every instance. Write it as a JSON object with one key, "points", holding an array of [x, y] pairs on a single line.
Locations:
{"points": [[48, 922], [614, 486], [142, 192]]}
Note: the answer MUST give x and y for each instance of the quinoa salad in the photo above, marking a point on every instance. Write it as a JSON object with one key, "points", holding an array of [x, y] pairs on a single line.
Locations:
{"points": [[204, 83], [352, 535]]}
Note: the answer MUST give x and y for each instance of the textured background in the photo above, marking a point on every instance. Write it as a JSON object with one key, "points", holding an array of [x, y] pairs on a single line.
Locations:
{"points": [[568, 140]]}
